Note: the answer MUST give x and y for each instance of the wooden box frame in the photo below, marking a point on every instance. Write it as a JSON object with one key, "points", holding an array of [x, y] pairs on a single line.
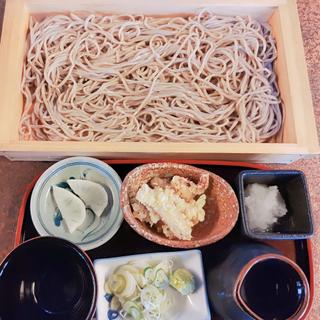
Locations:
{"points": [[298, 138]]}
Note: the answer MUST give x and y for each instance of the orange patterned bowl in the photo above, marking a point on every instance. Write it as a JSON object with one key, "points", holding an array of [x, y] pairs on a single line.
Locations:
{"points": [[221, 208]]}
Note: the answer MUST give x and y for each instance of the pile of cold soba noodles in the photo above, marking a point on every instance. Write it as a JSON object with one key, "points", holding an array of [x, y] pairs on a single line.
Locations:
{"points": [[203, 78]]}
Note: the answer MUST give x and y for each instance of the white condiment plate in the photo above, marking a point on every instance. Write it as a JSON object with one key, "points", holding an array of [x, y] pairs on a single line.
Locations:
{"points": [[193, 306], [94, 231]]}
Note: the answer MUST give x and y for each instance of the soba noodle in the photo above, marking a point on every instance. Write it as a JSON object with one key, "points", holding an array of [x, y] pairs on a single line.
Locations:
{"points": [[135, 78]]}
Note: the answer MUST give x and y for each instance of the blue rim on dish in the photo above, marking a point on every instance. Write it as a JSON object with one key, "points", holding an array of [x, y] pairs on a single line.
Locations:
{"points": [[114, 219]]}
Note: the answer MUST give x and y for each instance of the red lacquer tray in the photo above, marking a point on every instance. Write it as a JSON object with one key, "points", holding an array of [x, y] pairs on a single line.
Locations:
{"points": [[298, 250]]}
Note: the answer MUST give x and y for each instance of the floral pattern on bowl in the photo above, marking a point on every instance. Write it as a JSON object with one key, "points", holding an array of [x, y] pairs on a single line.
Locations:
{"points": [[47, 218]]}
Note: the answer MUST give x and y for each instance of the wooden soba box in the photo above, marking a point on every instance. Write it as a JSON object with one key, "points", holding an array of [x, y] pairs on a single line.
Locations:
{"points": [[298, 138]]}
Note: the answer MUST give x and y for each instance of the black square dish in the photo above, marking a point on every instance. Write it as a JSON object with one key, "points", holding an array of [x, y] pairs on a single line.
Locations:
{"points": [[297, 223]]}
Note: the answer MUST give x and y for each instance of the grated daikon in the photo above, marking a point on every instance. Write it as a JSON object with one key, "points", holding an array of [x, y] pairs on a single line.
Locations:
{"points": [[264, 205]]}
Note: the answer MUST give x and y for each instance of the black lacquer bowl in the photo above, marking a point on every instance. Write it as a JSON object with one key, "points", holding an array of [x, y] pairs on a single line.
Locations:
{"points": [[47, 278]]}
